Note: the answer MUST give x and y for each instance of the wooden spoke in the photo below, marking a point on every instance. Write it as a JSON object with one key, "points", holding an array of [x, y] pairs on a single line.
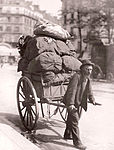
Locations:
{"points": [[25, 114], [33, 111], [22, 95], [22, 108]]}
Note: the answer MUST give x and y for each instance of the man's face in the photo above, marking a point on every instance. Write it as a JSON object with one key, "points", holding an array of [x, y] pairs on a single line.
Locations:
{"points": [[87, 70]]}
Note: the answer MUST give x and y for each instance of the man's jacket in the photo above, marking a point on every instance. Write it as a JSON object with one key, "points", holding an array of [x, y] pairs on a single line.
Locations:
{"points": [[75, 95]]}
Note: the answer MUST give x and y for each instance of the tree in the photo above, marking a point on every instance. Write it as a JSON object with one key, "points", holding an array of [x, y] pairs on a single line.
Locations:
{"points": [[108, 10]]}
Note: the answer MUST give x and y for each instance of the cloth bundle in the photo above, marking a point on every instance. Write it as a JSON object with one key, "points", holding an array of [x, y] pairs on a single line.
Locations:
{"points": [[50, 52], [47, 61], [44, 27], [70, 63], [54, 57]]}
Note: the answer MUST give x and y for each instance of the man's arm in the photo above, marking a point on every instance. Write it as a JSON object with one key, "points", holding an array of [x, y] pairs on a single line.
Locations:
{"points": [[90, 94]]}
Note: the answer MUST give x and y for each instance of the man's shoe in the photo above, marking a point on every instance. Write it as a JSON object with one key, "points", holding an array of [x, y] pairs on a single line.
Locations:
{"points": [[80, 146]]}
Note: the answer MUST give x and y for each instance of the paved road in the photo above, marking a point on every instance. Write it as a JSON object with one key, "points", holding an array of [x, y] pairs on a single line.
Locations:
{"points": [[96, 125]]}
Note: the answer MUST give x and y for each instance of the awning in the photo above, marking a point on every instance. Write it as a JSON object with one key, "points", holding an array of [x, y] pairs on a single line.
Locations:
{"points": [[5, 51]]}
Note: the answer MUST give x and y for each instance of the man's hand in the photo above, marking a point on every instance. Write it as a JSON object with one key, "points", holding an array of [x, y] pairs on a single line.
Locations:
{"points": [[72, 108], [94, 103]]}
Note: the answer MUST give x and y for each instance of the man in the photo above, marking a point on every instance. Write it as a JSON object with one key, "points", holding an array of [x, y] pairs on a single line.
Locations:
{"points": [[78, 91]]}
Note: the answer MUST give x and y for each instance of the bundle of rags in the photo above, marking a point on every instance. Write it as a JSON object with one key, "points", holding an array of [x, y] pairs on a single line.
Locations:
{"points": [[51, 53]]}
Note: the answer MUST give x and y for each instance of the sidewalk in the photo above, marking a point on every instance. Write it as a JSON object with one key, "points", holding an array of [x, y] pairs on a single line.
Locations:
{"points": [[12, 140]]}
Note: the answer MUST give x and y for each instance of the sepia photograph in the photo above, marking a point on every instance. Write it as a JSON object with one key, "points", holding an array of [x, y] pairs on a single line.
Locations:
{"points": [[56, 74]]}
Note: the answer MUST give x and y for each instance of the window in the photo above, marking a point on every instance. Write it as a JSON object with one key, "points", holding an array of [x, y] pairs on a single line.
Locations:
{"points": [[17, 10], [8, 28], [25, 20], [9, 19], [1, 28], [16, 29], [0, 10], [17, 19], [72, 18]]}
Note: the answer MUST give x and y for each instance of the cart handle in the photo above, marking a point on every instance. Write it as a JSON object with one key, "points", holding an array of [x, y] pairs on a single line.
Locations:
{"points": [[98, 104]]}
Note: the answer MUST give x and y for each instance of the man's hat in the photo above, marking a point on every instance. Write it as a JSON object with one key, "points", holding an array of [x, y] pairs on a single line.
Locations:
{"points": [[87, 62]]}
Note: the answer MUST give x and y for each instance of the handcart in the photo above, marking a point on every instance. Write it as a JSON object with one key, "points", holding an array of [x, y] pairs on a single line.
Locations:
{"points": [[31, 92]]}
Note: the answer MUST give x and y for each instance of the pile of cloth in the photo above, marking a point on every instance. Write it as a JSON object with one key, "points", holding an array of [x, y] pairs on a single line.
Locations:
{"points": [[50, 52]]}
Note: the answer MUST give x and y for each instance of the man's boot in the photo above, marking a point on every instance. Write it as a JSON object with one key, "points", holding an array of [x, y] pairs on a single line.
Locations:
{"points": [[79, 145]]}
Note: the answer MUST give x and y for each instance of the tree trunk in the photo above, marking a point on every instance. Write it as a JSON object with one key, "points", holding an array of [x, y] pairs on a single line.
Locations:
{"points": [[79, 30]]}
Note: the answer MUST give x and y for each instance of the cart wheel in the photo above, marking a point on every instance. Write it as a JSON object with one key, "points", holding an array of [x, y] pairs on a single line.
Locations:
{"points": [[27, 103], [63, 112]]}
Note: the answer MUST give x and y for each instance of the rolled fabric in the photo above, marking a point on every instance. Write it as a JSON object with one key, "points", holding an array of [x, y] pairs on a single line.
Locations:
{"points": [[47, 61], [71, 63], [44, 27]]}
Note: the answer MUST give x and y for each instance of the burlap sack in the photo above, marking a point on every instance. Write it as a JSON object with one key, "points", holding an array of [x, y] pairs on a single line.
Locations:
{"points": [[71, 63], [44, 27]]}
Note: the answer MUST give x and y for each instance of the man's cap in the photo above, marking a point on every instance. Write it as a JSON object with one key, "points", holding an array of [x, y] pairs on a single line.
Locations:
{"points": [[87, 62]]}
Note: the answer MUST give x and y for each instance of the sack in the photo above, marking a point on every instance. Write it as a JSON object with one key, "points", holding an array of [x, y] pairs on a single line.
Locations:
{"points": [[47, 61], [71, 48], [62, 48], [48, 76], [22, 64], [62, 77], [38, 45], [53, 78], [70, 45], [22, 44], [31, 50], [45, 44], [71, 63], [65, 48], [44, 27]]}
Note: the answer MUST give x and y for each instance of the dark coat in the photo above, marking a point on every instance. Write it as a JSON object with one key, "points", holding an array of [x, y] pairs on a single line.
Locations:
{"points": [[72, 95]]}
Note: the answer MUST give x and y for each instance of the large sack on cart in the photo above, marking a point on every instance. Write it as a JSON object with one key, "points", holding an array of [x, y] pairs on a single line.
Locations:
{"points": [[45, 44], [38, 45], [65, 48], [22, 64], [30, 52], [71, 63], [44, 27], [62, 48], [47, 61], [35, 47], [62, 77], [52, 78], [71, 48], [31, 49], [22, 44]]}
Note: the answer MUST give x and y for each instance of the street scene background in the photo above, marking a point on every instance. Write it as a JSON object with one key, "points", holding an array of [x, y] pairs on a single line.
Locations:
{"points": [[85, 30]]}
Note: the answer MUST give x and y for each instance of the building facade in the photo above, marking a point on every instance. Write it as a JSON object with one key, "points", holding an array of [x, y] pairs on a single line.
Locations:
{"points": [[16, 18]]}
